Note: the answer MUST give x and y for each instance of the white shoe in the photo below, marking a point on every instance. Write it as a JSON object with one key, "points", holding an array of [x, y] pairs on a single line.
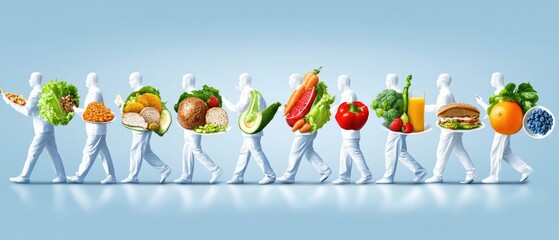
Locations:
{"points": [[164, 175], [490, 180], [267, 180], [434, 179], [364, 180], [109, 180], [469, 178], [339, 181], [325, 175], [420, 178], [182, 180], [19, 179], [129, 180], [215, 176], [235, 181], [525, 175], [74, 179], [59, 180], [285, 180], [384, 181]]}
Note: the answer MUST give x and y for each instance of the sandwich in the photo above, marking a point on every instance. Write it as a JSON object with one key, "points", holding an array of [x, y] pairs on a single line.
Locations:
{"points": [[458, 116]]}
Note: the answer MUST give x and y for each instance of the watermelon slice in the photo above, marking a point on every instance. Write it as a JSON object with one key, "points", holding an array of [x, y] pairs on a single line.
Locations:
{"points": [[301, 107]]}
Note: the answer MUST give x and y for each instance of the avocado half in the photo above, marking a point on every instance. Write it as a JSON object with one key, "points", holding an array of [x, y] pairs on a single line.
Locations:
{"points": [[164, 122]]}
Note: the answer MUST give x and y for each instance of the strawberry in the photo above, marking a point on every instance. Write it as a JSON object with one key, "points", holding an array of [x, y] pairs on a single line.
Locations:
{"points": [[396, 124], [407, 128], [213, 102]]}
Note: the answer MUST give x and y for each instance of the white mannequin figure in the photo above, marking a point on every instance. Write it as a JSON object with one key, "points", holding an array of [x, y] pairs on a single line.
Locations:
{"points": [[251, 142], [449, 141], [396, 148], [193, 146], [303, 147], [96, 142], [141, 149], [350, 149], [44, 135], [501, 149]]}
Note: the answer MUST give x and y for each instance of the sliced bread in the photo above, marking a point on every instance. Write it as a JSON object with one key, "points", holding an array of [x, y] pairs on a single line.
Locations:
{"points": [[217, 116]]}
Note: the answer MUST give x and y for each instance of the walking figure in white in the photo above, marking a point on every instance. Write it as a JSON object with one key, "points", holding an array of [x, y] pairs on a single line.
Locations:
{"points": [[449, 141], [396, 148], [44, 135], [140, 148], [501, 149], [192, 148], [251, 142], [96, 143], [350, 150], [303, 147]]}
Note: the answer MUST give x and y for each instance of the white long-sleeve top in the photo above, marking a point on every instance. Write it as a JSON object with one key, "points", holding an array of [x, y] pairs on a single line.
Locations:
{"points": [[31, 110], [93, 95], [445, 97], [242, 105]]}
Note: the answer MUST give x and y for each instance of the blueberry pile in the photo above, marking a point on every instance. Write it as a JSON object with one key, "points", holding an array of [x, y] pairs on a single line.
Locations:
{"points": [[540, 121]]}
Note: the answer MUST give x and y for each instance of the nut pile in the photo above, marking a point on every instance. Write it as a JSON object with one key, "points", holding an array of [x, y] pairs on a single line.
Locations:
{"points": [[16, 98], [97, 112], [67, 103]]}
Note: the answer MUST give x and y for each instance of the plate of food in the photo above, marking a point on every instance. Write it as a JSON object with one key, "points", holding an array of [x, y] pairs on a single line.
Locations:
{"points": [[538, 122], [144, 111], [200, 112], [15, 98], [97, 113], [459, 117], [426, 128]]}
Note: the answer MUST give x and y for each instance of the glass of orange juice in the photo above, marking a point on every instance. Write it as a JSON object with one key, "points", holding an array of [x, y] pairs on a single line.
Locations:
{"points": [[416, 110]]}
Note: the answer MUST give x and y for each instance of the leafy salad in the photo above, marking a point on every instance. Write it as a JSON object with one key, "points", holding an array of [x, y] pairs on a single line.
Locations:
{"points": [[56, 102]]}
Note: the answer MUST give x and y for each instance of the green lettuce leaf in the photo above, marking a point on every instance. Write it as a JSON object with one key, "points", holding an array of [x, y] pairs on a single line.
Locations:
{"points": [[320, 111], [49, 102]]}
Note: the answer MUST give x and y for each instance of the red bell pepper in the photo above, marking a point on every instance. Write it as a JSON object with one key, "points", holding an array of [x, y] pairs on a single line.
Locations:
{"points": [[352, 116]]}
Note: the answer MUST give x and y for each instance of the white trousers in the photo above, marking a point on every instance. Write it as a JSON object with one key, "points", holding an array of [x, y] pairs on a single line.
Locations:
{"points": [[96, 145], [251, 147], [303, 147], [396, 150], [447, 143], [501, 151], [39, 143], [141, 150], [191, 150], [351, 152]]}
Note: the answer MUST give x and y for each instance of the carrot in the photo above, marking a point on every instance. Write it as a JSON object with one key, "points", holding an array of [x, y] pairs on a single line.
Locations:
{"points": [[293, 99], [306, 128], [298, 125], [311, 82]]}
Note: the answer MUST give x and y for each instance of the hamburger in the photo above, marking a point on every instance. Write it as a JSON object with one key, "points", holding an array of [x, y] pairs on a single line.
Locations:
{"points": [[458, 116]]}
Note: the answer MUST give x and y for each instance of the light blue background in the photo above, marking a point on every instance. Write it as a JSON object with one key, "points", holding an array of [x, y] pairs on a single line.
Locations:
{"points": [[217, 41]]}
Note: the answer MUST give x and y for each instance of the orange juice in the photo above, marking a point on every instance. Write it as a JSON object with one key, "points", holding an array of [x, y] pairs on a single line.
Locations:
{"points": [[416, 110]]}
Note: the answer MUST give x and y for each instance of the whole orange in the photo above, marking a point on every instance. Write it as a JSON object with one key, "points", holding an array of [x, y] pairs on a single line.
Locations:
{"points": [[506, 117]]}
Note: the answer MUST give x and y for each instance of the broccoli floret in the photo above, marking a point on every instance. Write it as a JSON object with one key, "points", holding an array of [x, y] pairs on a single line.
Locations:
{"points": [[388, 104]]}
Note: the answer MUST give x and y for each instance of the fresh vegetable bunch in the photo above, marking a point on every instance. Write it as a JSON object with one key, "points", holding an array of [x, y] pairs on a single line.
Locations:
{"points": [[388, 105], [56, 102], [525, 95], [208, 94], [352, 115], [392, 106], [308, 108]]}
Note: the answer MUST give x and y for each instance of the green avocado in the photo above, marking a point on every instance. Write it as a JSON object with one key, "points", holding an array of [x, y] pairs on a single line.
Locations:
{"points": [[252, 120]]}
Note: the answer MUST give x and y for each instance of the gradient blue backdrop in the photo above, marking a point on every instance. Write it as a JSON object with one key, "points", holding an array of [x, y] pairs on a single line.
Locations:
{"points": [[217, 41]]}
